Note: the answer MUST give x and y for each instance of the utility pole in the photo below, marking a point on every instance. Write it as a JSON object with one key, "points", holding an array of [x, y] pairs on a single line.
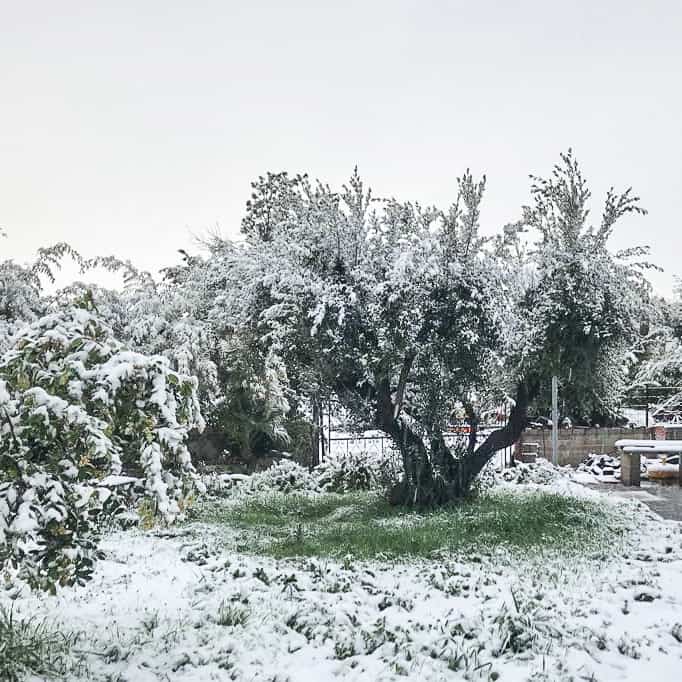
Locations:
{"points": [[555, 421], [315, 435]]}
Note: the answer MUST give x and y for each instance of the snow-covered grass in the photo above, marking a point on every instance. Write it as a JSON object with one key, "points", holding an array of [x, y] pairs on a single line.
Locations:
{"points": [[30, 644], [366, 526], [197, 603]]}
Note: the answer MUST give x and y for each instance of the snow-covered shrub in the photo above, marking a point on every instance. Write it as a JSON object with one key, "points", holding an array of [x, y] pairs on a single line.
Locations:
{"points": [[540, 473], [285, 476], [77, 405], [222, 485], [349, 472], [46, 512]]}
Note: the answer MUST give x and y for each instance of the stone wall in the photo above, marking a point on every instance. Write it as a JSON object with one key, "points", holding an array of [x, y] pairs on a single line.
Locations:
{"points": [[578, 442]]}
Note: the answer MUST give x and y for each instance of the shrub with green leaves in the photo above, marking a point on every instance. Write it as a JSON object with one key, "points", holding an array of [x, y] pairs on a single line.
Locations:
{"points": [[350, 472], [77, 405], [359, 470], [285, 476]]}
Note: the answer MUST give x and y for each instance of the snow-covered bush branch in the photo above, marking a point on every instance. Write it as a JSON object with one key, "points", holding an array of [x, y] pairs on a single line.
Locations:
{"points": [[76, 405]]}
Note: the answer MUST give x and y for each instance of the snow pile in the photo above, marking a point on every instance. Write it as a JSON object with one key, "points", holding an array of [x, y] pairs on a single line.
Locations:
{"points": [[603, 468], [540, 472]]}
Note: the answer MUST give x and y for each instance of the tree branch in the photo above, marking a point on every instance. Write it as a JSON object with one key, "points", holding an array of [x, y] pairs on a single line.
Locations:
{"points": [[472, 418], [402, 383], [506, 436]]}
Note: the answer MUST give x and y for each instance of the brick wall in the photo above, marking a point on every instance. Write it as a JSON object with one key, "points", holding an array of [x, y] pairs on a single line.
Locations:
{"points": [[578, 442], [667, 432]]}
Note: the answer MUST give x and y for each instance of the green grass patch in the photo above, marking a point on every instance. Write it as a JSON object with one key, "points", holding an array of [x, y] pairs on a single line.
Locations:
{"points": [[29, 646], [365, 526]]}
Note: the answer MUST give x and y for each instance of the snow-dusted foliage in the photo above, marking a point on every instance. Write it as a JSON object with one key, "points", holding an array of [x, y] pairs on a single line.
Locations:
{"points": [[242, 393], [539, 473], [581, 304], [664, 367], [347, 473], [405, 313], [157, 319], [75, 404], [19, 298], [22, 294], [359, 470], [285, 476], [660, 362], [253, 403]]}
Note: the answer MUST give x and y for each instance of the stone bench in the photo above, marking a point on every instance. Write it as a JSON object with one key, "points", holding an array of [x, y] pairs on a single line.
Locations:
{"points": [[632, 450]]}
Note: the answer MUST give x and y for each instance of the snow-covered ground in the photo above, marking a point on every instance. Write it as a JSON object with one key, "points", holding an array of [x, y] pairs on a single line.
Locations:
{"points": [[186, 605], [604, 468]]}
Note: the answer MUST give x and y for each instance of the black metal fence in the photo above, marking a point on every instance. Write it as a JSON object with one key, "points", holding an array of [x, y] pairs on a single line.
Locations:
{"points": [[642, 402], [382, 445], [343, 444]]}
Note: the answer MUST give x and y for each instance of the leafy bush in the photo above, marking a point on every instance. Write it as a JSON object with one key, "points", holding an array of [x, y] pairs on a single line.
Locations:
{"points": [[285, 476], [359, 470], [354, 471], [76, 405]]}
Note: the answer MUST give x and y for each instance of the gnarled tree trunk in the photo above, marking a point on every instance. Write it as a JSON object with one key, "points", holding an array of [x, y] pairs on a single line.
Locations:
{"points": [[433, 475]]}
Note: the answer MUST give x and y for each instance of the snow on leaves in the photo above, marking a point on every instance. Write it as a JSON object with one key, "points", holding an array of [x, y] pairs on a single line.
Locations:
{"points": [[76, 405]]}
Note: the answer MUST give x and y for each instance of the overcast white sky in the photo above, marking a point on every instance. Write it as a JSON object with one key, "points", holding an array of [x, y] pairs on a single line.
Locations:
{"points": [[126, 127]]}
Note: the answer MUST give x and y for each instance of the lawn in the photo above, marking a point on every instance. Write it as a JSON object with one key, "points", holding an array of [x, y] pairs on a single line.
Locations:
{"points": [[365, 526]]}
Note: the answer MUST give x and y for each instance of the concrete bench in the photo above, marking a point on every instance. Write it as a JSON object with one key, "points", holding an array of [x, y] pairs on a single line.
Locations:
{"points": [[631, 451]]}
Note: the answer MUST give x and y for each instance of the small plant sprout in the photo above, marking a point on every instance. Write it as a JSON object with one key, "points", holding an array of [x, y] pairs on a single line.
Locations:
{"points": [[231, 614]]}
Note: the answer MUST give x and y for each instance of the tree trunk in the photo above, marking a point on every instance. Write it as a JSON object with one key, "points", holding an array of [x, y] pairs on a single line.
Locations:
{"points": [[434, 476]]}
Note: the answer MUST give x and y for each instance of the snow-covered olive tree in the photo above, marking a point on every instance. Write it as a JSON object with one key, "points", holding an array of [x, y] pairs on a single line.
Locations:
{"points": [[391, 306], [405, 312], [76, 405]]}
